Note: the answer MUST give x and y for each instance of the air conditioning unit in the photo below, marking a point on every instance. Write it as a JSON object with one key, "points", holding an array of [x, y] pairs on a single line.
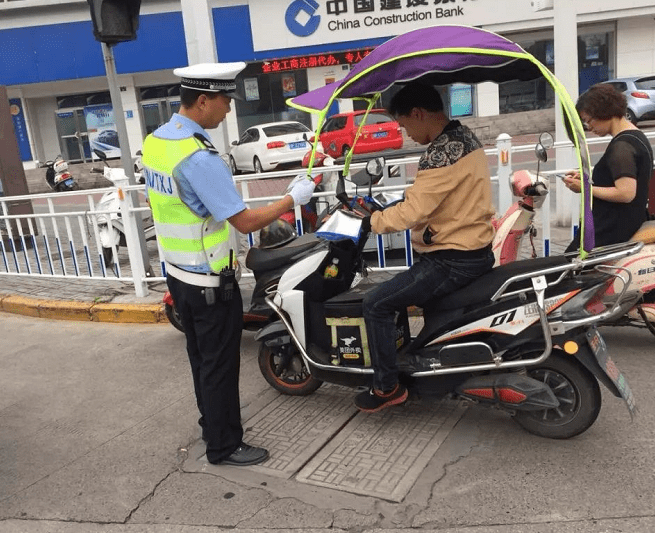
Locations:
{"points": [[542, 5]]}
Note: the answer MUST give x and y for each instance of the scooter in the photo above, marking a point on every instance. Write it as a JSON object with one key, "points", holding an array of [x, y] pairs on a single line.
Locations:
{"points": [[521, 338], [110, 225], [57, 176], [642, 269], [518, 222]]}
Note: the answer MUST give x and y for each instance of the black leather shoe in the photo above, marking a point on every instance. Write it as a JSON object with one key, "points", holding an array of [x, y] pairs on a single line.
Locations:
{"points": [[246, 455]]}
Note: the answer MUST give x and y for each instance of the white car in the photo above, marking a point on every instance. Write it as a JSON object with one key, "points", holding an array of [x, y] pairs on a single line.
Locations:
{"points": [[268, 146]]}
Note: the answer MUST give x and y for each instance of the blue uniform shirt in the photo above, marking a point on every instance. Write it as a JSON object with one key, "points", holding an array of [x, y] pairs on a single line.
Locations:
{"points": [[205, 181]]}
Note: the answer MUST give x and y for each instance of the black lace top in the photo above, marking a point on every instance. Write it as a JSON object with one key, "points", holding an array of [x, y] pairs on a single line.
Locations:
{"points": [[629, 154]]}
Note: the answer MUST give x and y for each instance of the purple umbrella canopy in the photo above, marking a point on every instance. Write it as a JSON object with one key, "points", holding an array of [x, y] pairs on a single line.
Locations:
{"points": [[442, 55], [439, 55]]}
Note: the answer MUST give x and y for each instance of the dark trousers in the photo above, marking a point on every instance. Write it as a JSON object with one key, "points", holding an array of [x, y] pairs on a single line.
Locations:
{"points": [[213, 335], [429, 278]]}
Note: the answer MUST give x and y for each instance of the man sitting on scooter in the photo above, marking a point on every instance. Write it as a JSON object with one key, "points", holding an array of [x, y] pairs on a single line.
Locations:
{"points": [[449, 210]]}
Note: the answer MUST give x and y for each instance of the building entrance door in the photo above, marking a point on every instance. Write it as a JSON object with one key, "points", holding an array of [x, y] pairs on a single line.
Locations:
{"points": [[157, 112], [73, 136]]}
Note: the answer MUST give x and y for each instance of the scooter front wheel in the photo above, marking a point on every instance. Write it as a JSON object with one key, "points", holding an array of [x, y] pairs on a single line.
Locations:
{"points": [[287, 374], [578, 393], [174, 317]]}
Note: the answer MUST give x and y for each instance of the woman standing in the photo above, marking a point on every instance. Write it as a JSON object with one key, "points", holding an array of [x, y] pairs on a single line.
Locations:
{"points": [[621, 177]]}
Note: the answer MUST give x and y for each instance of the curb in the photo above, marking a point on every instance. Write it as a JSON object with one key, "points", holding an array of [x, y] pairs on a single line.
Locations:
{"points": [[84, 311]]}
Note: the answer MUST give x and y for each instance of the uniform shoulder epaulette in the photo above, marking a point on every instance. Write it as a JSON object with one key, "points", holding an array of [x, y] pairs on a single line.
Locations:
{"points": [[206, 142]]}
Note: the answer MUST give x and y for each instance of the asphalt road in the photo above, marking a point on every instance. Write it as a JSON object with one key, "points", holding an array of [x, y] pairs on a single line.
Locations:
{"points": [[97, 420]]}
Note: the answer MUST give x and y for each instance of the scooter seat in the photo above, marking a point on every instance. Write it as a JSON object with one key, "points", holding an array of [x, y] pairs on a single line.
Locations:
{"points": [[259, 259], [646, 233], [482, 289]]}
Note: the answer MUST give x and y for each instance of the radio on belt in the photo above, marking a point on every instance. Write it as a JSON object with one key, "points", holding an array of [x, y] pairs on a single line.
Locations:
{"points": [[227, 280]]}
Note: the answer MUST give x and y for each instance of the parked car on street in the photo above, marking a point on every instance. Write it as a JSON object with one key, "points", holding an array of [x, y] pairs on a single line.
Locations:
{"points": [[380, 132], [640, 94], [269, 146]]}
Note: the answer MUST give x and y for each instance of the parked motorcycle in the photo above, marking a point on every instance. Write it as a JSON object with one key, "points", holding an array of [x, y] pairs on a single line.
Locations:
{"points": [[521, 338], [57, 176], [110, 223]]}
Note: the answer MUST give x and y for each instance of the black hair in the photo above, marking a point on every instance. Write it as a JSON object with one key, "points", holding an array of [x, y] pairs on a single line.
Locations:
{"points": [[188, 97], [415, 94]]}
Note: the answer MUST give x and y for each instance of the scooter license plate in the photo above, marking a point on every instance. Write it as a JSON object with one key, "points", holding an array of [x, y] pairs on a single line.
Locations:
{"points": [[599, 349]]}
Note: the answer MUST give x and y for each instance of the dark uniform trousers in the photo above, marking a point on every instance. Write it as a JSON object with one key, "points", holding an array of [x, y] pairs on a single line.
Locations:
{"points": [[213, 334]]}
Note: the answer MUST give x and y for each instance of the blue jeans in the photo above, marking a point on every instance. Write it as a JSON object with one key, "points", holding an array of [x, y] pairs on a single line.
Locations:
{"points": [[429, 278]]}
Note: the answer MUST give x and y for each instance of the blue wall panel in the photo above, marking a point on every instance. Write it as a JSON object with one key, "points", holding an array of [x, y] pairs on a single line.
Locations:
{"points": [[160, 44], [232, 33], [69, 51]]}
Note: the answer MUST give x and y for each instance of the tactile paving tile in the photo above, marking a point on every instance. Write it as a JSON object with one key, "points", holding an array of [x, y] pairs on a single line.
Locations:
{"points": [[383, 454], [294, 428]]}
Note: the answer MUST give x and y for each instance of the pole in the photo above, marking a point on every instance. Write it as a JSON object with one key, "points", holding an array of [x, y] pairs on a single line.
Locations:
{"points": [[139, 271], [565, 37]]}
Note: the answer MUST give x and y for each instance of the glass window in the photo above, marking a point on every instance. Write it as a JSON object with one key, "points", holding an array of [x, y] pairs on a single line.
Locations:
{"points": [[285, 129], [517, 96], [645, 84], [267, 95], [81, 100], [373, 118], [594, 66]]}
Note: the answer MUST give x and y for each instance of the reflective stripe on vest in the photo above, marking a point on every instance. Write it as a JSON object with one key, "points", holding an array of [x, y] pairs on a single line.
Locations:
{"points": [[184, 237]]}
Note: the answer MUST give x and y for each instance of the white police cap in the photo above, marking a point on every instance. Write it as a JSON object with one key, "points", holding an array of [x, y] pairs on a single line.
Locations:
{"points": [[211, 77]]}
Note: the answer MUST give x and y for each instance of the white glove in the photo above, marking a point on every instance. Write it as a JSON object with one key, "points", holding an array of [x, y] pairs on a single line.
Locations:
{"points": [[302, 191]]}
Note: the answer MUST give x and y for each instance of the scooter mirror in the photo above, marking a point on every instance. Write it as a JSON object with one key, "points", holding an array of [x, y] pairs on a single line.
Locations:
{"points": [[546, 140], [100, 154], [541, 153], [375, 168], [340, 191]]}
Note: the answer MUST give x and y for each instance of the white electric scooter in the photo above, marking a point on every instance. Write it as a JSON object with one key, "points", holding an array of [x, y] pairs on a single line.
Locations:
{"points": [[109, 222]]}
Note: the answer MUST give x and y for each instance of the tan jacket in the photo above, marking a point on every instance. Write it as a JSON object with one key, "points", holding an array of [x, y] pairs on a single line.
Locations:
{"points": [[453, 202]]}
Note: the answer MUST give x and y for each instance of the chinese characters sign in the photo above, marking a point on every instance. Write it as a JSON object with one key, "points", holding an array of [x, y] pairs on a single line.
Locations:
{"points": [[314, 60], [20, 129], [278, 24]]}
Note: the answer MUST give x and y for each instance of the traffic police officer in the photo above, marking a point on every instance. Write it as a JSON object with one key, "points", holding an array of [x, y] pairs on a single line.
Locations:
{"points": [[195, 207]]}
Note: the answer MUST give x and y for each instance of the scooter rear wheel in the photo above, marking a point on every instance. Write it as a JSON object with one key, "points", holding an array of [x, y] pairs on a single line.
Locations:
{"points": [[293, 378], [577, 391]]}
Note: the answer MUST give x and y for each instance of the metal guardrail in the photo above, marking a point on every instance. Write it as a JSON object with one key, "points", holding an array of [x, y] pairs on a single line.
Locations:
{"points": [[60, 239]]}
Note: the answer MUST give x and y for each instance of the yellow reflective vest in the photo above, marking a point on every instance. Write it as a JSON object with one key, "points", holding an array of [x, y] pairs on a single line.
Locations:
{"points": [[185, 238]]}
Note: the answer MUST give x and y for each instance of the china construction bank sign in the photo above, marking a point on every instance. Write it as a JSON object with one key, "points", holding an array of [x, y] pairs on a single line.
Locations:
{"points": [[278, 24]]}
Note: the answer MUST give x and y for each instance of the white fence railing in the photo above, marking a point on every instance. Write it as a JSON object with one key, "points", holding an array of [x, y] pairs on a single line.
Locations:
{"points": [[60, 238]]}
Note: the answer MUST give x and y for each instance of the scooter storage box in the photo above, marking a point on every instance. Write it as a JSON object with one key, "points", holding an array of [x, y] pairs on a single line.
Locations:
{"points": [[349, 341], [317, 286]]}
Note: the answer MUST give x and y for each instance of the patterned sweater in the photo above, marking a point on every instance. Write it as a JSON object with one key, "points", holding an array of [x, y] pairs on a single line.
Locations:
{"points": [[448, 207]]}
